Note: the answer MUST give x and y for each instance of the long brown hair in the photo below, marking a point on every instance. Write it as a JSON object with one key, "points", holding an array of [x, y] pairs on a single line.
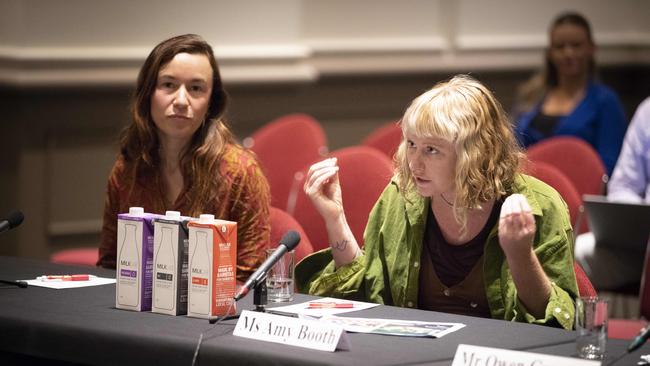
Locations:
{"points": [[139, 143]]}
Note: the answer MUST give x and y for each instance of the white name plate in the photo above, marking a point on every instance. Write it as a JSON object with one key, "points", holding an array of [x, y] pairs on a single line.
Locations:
{"points": [[467, 355], [291, 331]]}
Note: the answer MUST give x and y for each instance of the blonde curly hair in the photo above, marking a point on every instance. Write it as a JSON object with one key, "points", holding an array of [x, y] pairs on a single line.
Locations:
{"points": [[464, 112]]}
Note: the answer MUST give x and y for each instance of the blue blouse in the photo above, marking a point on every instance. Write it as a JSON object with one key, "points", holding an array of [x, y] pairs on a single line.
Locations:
{"points": [[598, 119]]}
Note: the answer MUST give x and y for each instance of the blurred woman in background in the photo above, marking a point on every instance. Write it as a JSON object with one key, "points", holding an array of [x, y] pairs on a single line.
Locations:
{"points": [[564, 99]]}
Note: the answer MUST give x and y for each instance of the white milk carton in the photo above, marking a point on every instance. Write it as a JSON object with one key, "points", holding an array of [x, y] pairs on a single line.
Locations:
{"points": [[212, 261], [170, 249], [134, 260]]}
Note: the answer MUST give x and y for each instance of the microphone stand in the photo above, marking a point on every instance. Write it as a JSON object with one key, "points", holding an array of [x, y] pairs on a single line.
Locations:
{"points": [[260, 295]]}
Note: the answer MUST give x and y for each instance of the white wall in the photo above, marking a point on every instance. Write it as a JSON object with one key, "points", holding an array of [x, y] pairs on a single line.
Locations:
{"points": [[72, 42]]}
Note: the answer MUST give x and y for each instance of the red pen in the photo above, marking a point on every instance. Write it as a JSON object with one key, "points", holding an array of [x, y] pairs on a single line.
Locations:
{"points": [[330, 305], [75, 277]]}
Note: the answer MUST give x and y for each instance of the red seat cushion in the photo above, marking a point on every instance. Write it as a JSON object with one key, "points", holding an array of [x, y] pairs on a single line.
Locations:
{"points": [[284, 146], [386, 138]]}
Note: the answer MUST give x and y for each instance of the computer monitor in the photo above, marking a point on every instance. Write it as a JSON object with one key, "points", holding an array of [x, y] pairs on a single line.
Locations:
{"points": [[618, 225]]}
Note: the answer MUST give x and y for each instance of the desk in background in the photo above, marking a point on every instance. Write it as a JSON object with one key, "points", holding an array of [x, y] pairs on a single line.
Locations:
{"points": [[81, 326]]}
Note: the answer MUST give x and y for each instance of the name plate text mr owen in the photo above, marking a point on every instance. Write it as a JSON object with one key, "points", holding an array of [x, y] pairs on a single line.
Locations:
{"points": [[467, 355]]}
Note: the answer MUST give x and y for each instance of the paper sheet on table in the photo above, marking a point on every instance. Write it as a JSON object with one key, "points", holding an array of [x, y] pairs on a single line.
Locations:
{"points": [[303, 309], [93, 281], [396, 327]]}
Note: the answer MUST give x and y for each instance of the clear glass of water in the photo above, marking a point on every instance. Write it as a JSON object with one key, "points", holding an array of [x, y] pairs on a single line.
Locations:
{"points": [[279, 279], [591, 324]]}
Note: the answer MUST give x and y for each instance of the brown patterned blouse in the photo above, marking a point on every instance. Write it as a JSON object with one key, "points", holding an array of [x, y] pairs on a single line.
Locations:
{"points": [[246, 202]]}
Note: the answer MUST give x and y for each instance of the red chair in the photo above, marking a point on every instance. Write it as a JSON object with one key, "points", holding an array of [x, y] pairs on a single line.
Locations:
{"points": [[284, 146], [585, 287], [630, 328], [552, 176], [385, 138], [364, 173], [281, 222], [77, 256], [576, 159]]}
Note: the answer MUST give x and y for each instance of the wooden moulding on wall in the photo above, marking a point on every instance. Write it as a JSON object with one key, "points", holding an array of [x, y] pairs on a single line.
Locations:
{"points": [[306, 62]]}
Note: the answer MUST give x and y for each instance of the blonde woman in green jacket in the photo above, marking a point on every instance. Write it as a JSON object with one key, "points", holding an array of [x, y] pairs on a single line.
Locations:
{"points": [[458, 229]]}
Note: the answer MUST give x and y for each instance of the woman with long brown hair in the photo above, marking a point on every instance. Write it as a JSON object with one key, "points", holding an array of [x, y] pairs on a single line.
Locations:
{"points": [[179, 154]]}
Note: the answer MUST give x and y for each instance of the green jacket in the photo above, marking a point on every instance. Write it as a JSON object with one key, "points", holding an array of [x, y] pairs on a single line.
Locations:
{"points": [[387, 271]]}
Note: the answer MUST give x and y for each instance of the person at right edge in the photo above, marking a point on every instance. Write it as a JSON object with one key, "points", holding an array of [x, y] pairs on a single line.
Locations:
{"points": [[612, 270], [458, 229], [566, 100]]}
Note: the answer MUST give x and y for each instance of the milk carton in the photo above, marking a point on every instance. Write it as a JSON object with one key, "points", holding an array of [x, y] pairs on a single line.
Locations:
{"points": [[170, 264], [212, 262], [134, 260]]}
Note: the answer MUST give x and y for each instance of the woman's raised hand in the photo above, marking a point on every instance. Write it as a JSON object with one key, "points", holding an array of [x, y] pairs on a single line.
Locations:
{"points": [[323, 188], [516, 226], [516, 235]]}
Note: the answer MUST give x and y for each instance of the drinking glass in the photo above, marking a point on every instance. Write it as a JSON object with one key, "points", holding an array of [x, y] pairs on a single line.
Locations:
{"points": [[279, 279], [591, 324]]}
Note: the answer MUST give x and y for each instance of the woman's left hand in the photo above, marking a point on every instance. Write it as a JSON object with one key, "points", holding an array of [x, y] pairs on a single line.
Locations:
{"points": [[516, 226], [516, 235]]}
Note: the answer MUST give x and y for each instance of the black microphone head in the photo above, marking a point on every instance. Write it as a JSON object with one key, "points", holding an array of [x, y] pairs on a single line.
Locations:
{"points": [[290, 240], [16, 217]]}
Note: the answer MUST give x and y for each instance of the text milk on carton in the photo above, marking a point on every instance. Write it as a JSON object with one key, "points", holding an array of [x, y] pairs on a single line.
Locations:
{"points": [[134, 260], [212, 261], [170, 247]]}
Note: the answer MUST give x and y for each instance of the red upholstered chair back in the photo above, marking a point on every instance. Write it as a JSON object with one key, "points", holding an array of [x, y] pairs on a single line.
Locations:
{"points": [[585, 287], [364, 172], [281, 222], [284, 146], [385, 138], [576, 159], [77, 256], [559, 181]]}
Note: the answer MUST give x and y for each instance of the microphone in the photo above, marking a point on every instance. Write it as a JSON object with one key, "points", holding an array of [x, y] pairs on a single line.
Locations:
{"points": [[639, 340], [288, 242], [21, 284], [14, 219]]}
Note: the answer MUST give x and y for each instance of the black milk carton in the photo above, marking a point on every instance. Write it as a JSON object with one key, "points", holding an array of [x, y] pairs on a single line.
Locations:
{"points": [[170, 264], [134, 262]]}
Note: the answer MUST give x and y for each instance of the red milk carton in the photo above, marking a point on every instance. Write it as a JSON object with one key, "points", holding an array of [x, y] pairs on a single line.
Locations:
{"points": [[212, 263]]}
